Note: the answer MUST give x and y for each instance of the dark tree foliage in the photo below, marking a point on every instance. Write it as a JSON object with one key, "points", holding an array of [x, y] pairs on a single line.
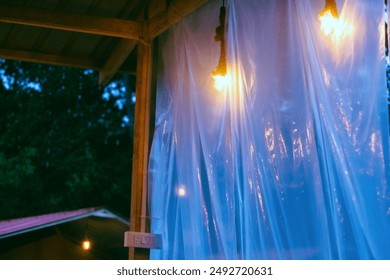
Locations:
{"points": [[62, 146]]}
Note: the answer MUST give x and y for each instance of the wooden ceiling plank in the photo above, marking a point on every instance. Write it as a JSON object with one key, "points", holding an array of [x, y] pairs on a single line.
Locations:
{"points": [[49, 59], [41, 39], [156, 7], [166, 19], [133, 9], [71, 22], [115, 61], [44, 36]]}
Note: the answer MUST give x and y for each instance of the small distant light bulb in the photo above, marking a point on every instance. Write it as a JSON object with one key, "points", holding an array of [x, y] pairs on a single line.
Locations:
{"points": [[220, 82], [86, 245], [181, 191]]}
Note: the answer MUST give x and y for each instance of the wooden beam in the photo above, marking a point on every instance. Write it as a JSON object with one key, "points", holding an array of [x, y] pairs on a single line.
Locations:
{"points": [[71, 22], [57, 60], [141, 139], [123, 50], [169, 17], [50, 59], [115, 61]]}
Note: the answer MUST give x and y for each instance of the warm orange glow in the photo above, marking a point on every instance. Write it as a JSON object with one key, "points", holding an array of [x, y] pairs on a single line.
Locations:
{"points": [[220, 82], [329, 23], [334, 27], [86, 245]]}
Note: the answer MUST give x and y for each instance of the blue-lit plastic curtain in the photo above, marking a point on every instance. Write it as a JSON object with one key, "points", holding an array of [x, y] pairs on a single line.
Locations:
{"points": [[291, 161]]}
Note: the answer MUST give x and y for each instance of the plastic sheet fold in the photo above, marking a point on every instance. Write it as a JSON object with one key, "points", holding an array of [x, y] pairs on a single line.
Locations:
{"points": [[291, 160]]}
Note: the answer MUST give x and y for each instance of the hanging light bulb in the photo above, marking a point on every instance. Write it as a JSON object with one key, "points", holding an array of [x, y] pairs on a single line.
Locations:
{"points": [[220, 82], [329, 17], [219, 74], [86, 245], [337, 28], [181, 191]]}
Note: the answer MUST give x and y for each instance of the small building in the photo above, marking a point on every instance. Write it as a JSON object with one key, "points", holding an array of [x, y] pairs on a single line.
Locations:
{"points": [[91, 233]]}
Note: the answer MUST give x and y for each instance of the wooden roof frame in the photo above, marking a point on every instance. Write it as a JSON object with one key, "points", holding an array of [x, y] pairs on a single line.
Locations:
{"points": [[132, 34]]}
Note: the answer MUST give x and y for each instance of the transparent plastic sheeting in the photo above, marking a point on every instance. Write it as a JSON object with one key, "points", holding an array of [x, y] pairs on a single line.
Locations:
{"points": [[291, 161]]}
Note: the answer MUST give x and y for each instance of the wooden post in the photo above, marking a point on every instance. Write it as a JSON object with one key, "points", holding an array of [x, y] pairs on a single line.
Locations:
{"points": [[141, 140], [142, 126]]}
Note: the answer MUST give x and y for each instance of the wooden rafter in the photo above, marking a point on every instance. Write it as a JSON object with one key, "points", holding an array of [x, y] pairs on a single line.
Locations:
{"points": [[115, 61], [50, 59], [71, 22], [57, 60], [169, 17]]}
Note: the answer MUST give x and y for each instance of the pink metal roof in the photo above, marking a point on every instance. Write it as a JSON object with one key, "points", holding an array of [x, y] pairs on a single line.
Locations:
{"points": [[25, 224]]}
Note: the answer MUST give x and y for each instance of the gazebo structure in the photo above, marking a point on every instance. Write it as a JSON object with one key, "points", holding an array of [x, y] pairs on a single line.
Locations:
{"points": [[287, 157], [107, 36]]}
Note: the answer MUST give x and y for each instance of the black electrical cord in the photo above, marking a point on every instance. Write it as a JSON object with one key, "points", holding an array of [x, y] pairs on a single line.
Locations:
{"points": [[220, 36]]}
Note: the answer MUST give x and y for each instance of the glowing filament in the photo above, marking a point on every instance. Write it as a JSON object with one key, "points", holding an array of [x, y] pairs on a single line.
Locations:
{"points": [[338, 29], [220, 82], [181, 191], [86, 245], [329, 23]]}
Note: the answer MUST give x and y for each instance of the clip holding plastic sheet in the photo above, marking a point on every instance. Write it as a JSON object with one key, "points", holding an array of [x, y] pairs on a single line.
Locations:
{"points": [[142, 240]]}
